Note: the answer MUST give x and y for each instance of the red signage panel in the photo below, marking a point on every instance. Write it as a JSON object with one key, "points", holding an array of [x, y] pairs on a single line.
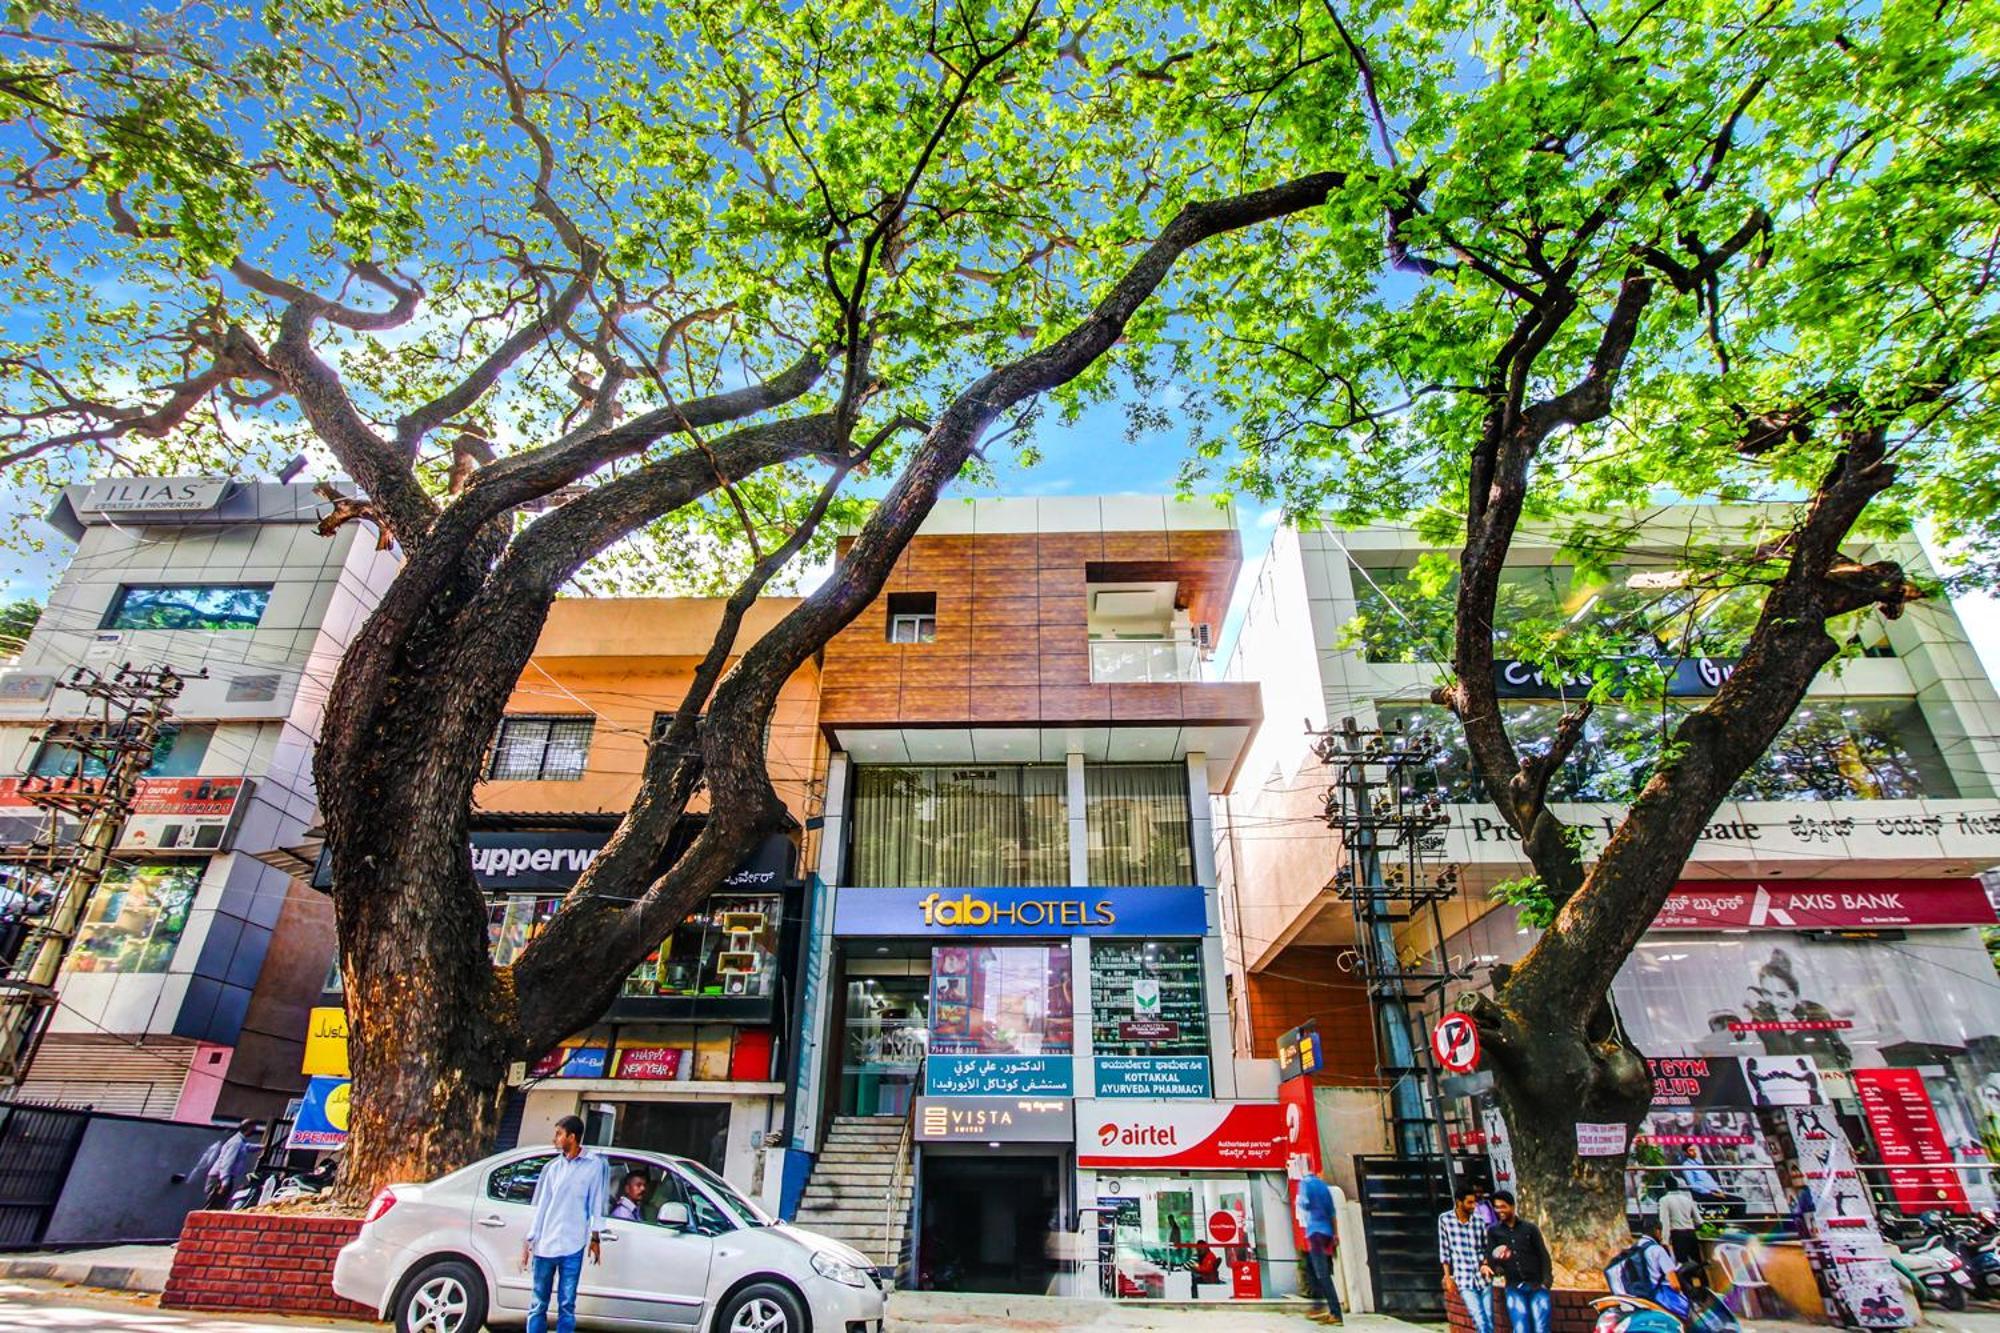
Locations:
{"points": [[1825, 904], [1911, 1141], [1158, 1135]]}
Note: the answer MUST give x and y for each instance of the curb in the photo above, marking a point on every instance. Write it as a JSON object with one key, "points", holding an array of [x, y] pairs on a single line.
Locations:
{"points": [[113, 1277]]}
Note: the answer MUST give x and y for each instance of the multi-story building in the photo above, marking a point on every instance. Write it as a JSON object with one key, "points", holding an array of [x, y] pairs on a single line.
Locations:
{"points": [[690, 1058], [1828, 913], [1013, 1003], [186, 990]]}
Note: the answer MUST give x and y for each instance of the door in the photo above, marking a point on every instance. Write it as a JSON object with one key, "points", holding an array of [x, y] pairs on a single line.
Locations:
{"points": [[652, 1270], [686, 1129], [500, 1216]]}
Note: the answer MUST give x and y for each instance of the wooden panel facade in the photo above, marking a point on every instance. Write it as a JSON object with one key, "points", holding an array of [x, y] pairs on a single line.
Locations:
{"points": [[1012, 645]]}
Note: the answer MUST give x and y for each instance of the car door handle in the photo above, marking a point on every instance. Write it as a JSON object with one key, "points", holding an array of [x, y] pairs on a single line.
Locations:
{"points": [[492, 1222], [607, 1235]]}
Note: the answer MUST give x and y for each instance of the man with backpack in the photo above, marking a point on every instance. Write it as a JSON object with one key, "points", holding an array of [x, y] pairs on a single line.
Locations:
{"points": [[1645, 1269]]}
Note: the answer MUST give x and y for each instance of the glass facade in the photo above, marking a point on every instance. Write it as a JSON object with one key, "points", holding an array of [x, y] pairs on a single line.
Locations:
{"points": [[728, 947], [188, 606], [135, 918], [1831, 750], [177, 754], [1156, 1234], [1001, 1000], [1146, 998], [1002, 826], [1137, 819]]}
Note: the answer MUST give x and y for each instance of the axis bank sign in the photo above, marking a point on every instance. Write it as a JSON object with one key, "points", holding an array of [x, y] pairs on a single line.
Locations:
{"points": [[1825, 904], [1217, 1136]]}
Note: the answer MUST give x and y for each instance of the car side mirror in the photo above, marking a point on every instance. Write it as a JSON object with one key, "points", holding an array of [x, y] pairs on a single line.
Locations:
{"points": [[674, 1215]]}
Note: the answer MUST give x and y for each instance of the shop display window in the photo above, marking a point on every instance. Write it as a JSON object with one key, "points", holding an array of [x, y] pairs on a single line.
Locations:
{"points": [[1721, 1156], [1186, 1237], [883, 1048], [1007, 1000], [728, 948], [1146, 998], [995, 826], [135, 918]]}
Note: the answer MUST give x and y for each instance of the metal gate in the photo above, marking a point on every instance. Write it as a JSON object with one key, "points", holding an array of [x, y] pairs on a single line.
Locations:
{"points": [[37, 1145], [1401, 1198]]}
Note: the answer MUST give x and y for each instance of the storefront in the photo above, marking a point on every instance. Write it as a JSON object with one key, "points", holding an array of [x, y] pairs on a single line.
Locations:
{"points": [[1875, 1000], [1189, 1197]]}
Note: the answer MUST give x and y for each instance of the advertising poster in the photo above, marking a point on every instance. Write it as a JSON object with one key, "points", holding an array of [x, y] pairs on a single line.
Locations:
{"points": [[1907, 1134], [1010, 1000], [322, 1118], [1302, 1155], [1846, 1250], [1499, 1147]]}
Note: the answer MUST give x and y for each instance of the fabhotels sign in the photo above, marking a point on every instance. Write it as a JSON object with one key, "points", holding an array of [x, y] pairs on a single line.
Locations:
{"points": [[1158, 912]]}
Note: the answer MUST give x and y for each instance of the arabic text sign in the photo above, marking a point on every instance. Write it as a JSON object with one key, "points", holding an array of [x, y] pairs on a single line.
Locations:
{"points": [[999, 1075]]}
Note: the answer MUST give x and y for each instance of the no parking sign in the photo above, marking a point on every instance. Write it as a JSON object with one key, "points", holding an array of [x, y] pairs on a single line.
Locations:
{"points": [[1455, 1042]]}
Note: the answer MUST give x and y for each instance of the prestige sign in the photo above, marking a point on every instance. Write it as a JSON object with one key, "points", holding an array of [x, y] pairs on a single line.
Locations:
{"points": [[1213, 1136], [1156, 912], [993, 1120]]}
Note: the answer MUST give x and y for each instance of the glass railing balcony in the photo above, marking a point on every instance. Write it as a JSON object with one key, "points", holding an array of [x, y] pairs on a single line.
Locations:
{"points": [[1145, 661]]}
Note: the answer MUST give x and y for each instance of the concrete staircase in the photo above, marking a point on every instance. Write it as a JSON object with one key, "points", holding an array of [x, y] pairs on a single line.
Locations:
{"points": [[848, 1196]]}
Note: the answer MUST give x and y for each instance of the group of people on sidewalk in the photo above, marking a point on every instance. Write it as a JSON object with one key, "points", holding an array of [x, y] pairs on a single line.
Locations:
{"points": [[1481, 1240]]}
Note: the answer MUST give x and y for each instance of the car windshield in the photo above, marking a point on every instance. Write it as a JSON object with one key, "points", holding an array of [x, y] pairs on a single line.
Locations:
{"points": [[746, 1212]]}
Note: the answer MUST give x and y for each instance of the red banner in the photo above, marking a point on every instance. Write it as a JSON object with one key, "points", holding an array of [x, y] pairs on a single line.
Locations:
{"points": [[1162, 1135], [1825, 904], [1911, 1141], [206, 798], [1301, 1143], [649, 1062]]}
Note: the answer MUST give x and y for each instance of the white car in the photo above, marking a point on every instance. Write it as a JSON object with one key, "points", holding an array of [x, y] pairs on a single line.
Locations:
{"points": [[446, 1257]]}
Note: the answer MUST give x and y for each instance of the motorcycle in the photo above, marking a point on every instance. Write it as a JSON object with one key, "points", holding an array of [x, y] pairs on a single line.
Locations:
{"points": [[1632, 1314], [1936, 1274]]}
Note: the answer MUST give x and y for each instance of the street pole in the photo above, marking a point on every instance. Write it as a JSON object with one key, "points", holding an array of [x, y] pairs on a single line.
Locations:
{"points": [[135, 704]]}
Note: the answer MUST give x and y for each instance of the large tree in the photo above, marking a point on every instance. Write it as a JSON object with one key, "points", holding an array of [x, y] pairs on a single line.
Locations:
{"points": [[578, 291], [1634, 252]]}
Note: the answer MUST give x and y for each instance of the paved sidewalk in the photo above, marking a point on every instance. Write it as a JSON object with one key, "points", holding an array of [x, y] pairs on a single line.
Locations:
{"points": [[912, 1311], [141, 1268]]}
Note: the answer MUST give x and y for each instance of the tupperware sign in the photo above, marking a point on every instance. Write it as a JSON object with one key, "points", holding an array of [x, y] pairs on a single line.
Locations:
{"points": [[549, 860]]}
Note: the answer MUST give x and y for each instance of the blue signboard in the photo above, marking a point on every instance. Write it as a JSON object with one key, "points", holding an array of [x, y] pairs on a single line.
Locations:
{"points": [[322, 1118], [998, 1076], [1152, 1076], [1178, 909]]}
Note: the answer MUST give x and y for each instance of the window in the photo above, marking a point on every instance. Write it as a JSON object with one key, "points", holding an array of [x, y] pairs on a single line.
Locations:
{"points": [[188, 606], [1010, 1000], [1145, 998], [176, 754], [136, 917], [997, 826], [515, 1182], [1137, 819], [1831, 750], [540, 749], [912, 617], [728, 947]]}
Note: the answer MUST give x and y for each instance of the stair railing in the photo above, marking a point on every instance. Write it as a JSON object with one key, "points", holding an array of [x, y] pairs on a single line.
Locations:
{"points": [[905, 1158]]}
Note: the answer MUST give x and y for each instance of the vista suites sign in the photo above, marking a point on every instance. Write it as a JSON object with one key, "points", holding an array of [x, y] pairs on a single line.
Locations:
{"points": [[1171, 910]]}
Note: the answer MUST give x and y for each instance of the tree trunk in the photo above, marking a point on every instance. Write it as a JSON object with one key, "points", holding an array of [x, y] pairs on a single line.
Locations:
{"points": [[1552, 1074]]}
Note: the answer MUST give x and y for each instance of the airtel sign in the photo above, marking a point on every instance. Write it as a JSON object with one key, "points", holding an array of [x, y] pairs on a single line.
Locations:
{"points": [[1219, 1136]]}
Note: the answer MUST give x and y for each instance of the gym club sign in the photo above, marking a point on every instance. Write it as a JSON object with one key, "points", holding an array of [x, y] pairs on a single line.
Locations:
{"points": [[1200, 1136]]}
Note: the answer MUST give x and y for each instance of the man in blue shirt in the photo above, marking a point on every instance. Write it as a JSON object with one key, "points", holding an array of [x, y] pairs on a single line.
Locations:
{"points": [[569, 1200], [1322, 1242]]}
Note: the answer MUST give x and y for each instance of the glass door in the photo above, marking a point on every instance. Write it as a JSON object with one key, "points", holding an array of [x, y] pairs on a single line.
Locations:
{"points": [[888, 1028]]}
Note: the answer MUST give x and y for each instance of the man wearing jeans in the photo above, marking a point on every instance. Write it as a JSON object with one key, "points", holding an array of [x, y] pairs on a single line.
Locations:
{"points": [[1515, 1250], [1462, 1251], [1322, 1243], [569, 1200]]}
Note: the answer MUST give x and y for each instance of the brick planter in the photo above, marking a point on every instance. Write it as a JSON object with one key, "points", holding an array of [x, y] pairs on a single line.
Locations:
{"points": [[268, 1263], [1569, 1311]]}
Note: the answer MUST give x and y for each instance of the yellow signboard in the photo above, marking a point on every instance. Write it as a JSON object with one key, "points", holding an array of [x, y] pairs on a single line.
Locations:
{"points": [[326, 1043]]}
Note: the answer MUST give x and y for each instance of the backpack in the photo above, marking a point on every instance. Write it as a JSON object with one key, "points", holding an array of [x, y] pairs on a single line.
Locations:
{"points": [[1633, 1275]]}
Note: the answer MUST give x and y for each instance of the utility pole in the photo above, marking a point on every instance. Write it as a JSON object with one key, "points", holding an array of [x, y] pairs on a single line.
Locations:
{"points": [[1384, 825], [133, 706]]}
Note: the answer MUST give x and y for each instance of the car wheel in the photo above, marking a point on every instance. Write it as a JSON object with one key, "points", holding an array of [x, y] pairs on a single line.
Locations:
{"points": [[764, 1308], [447, 1296]]}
